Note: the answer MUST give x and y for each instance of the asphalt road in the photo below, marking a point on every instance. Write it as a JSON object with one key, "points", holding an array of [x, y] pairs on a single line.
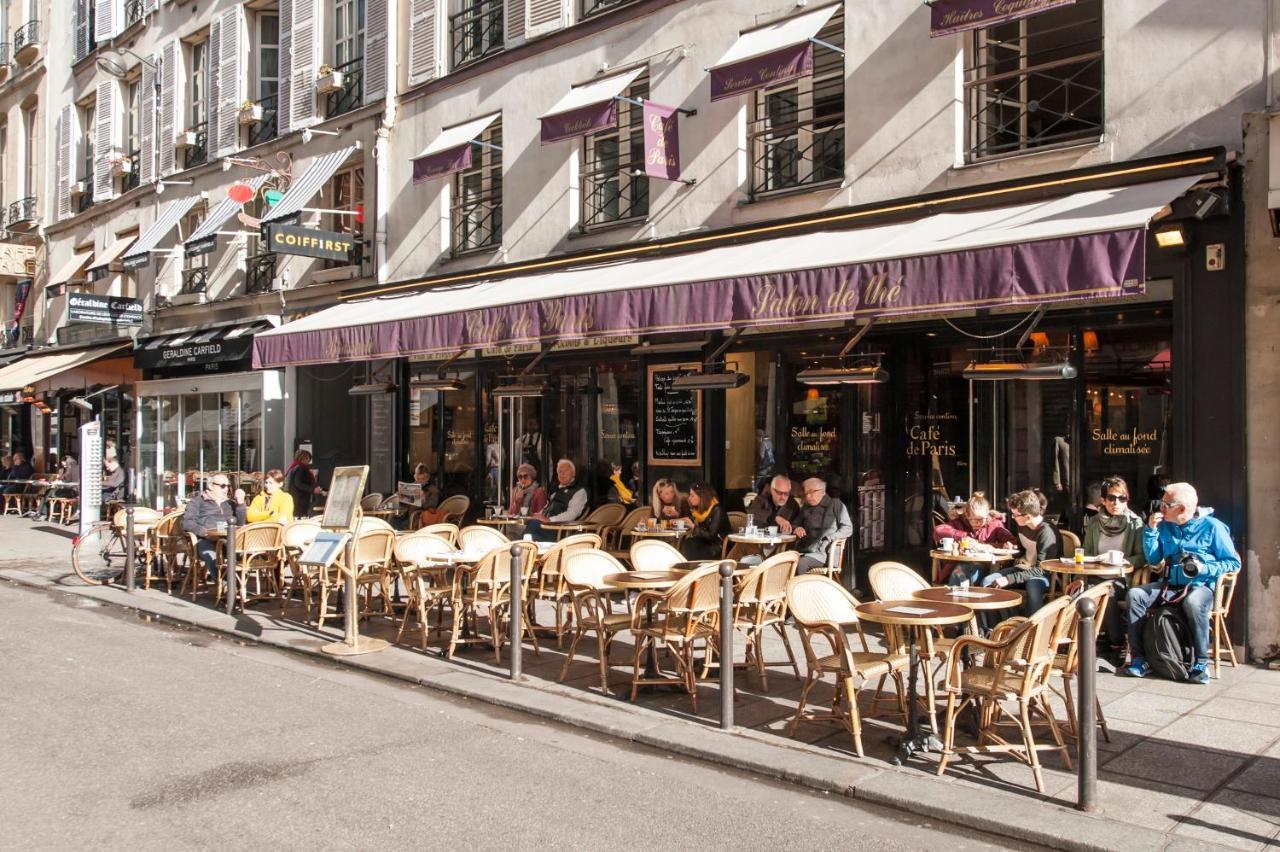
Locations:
{"points": [[116, 732]]}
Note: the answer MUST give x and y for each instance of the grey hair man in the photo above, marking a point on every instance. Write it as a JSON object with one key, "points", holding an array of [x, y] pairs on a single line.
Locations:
{"points": [[822, 520], [567, 503]]}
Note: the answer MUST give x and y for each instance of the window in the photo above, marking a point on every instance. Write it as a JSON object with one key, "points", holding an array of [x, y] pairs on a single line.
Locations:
{"points": [[260, 275], [268, 65], [346, 192], [610, 190], [195, 268], [476, 30], [1036, 82], [476, 211], [796, 133], [595, 7], [88, 117], [132, 133], [198, 104], [32, 145], [84, 29], [348, 57]]}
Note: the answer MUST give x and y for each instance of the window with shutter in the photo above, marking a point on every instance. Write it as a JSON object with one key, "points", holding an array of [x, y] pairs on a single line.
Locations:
{"points": [[375, 50], [231, 81], [62, 174], [212, 100], [515, 22], [476, 211], [423, 43], [544, 16], [284, 95], [169, 91], [147, 147], [304, 63], [476, 30], [106, 14], [84, 22], [104, 141]]}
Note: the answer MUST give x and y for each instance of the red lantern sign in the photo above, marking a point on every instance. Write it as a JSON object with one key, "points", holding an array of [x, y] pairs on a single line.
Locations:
{"points": [[240, 193]]}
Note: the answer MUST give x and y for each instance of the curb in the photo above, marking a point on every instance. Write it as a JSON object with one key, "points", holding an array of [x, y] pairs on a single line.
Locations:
{"points": [[1020, 818]]}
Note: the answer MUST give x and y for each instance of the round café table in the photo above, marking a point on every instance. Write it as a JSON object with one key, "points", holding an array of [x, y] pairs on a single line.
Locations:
{"points": [[504, 522], [1094, 569], [992, 557], [914, 616], [660, 533], [645, 581]]}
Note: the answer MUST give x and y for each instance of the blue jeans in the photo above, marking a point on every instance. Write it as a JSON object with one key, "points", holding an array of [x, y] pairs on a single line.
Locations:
{"points": [[207, 552], [958, 572], [534, 529], [1033, 590], [1195, 605]]}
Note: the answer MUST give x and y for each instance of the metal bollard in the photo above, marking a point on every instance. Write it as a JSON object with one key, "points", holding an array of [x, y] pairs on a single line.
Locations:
{"points": [[517, 605], [726, 644], [130, 549], [231, 567], [1086, 705]]}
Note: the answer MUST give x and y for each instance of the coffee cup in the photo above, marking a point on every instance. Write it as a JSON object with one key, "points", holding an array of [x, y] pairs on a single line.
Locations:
{"points": [[524, 511], [680, 524], [948, 545], [1115, 557], [773, 530]]}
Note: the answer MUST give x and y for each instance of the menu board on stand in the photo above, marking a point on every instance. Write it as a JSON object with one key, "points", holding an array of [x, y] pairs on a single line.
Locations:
{"points": [[675, 418]]}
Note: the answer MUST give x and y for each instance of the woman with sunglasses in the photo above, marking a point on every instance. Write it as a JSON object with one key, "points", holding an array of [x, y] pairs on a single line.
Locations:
{"points": [[527, 494], [1115, 527]]}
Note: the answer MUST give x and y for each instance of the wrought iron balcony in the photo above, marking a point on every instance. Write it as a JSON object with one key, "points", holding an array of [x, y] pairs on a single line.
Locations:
{"points": [[25, 39], [266, 129], [477, 222], [134, 10], [260, 276], [198, 153], [595, 7], [476, 31], [195, 279], [22, 212], [84, 200], [351, 94]]}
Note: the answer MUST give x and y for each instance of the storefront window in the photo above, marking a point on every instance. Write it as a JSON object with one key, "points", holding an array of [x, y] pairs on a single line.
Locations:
{"points": [[442, 434], [169, 459], [148, 449], [618, 406], [933, 437], [568, 428]]}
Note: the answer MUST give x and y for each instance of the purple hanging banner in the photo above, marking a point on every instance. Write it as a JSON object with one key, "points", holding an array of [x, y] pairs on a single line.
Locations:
{"points": [[442, 163], [759, 72], [579, 122], [947, 17], [661, 141]]}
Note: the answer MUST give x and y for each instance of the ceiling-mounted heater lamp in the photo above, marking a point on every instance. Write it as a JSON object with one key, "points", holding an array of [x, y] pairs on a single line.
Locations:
{"points": [[1012, 364], [866, 369], [440, 382], [714, 375], [526, 382]]}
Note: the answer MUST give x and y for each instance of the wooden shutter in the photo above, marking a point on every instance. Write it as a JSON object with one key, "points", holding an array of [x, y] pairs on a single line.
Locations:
{"points": [[104, 141], [543, 16], [513, 20], [424, 46], [171, 83], [304, 63], [232, 86], [83, 36], [65, 175], [212, 95], [284, 94], [375, 50], [106, 20], [147, 106]]}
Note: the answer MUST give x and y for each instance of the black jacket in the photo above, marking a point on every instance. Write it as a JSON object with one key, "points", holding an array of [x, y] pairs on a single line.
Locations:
{"points": [[763, 512], [707, 538], [300, 483], [822, 524], [204, 514]]}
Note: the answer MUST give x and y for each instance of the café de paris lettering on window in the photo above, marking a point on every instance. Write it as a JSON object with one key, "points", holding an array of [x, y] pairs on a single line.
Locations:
{"points": [[929, 435]]}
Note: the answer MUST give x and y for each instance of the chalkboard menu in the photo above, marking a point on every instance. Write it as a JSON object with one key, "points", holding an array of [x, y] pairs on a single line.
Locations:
{"points": [[675, 418], [382, 460]]}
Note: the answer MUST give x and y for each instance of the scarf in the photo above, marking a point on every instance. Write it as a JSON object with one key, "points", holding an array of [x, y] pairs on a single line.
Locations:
{"points": [[699, 517], [624, 493], [1115, 524]]}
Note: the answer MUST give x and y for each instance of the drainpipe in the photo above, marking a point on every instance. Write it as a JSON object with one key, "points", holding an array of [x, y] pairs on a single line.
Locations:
{"points": [[382, 153]]}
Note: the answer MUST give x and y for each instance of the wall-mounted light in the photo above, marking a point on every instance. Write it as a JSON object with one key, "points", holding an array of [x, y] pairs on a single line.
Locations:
{"points": [[710, 381], [1171, 236], [865, 375]]}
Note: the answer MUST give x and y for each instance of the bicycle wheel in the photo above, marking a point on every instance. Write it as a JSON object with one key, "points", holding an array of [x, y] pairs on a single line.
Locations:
{"points": [[98, 555]]}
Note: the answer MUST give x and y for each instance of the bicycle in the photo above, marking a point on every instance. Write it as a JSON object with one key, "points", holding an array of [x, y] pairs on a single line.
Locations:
{"points": [[100, 554]]}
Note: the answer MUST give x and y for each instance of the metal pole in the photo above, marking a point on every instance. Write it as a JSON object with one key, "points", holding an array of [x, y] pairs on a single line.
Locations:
{"points": [[517, 603], [231, 567], [130, 548], [350, 610], [1086, 705], [726, 644]]}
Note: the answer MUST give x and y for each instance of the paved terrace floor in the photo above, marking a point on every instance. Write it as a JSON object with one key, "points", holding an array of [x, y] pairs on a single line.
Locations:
{"points": [[1192, 762]]}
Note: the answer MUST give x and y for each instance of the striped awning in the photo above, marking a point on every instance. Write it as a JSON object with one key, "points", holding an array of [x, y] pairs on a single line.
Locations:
{"points": [[140, 253], [205, 237], [227, 342], [305, 187]]}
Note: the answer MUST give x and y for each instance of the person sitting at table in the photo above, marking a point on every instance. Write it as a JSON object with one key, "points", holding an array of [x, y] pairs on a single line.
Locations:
{"points": [[773, 507], [1116, 527], [822, 520], [208, 509], [65, 484], [528, 497], [427, 509], [1039, 541], [6, 466], [19, 474], [975, 522], [708, 523], [566, 504], [273, 503], [112, 480], [666, 500]]}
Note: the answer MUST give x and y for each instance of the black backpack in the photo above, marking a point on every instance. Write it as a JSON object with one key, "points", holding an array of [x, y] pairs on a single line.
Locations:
{"points": [[1166, 641]]}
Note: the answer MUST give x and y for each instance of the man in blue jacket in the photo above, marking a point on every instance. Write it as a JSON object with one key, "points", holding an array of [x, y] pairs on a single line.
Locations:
{"points": [[1181, 528]]}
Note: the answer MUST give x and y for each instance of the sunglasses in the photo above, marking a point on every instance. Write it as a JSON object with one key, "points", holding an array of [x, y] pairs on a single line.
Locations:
{"points": [[1169, 504], [222, 484], [523, 476], [1116, 498]]}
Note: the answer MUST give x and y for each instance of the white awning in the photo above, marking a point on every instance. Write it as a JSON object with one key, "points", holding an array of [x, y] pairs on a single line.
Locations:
{"points": [[112, 253], [305, 187], [761, 41], [205, 236], [1086, 245], [140, 253], [595, 92], [70, 269], [449, 151], [34, 368]]}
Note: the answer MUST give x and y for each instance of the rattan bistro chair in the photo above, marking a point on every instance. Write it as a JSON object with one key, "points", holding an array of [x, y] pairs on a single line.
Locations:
{"points": [[761, 602], [1223, 593], [480, 538], [168, 544], [614, 535], [650, 554], [682, 616], [584, 571], [372, 565], [448, 532], [453, 509], [608, 515], [824, 610], [1067, 662], [550, 585], [295, 538], [421, 562], [1015, 666], [486, 587], [257, 554]]}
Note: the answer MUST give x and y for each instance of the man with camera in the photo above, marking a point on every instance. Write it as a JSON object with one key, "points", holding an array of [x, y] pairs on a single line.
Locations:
{"points": [[1196, 549]]}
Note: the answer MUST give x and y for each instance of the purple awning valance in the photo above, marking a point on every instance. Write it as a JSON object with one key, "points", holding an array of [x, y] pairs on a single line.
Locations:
{"points": [[957, 16], [450, 151], [769, 55], [587, 108]]}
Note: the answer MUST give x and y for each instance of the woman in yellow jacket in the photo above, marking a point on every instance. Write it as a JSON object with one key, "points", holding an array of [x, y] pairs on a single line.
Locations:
{"points": [[273, 503]]}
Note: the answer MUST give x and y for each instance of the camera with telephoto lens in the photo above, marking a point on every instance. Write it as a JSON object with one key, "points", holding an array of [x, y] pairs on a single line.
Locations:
{"points": [[1190, 564]]}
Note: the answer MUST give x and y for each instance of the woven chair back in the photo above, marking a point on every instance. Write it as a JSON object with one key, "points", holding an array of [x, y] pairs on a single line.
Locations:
{"points": [[477, 538], [768, 580], [1101, 595], [417, 549], [636, 516], [448, 532], [814, 599], [698, 593], [607, 515], [588, 568], [142, 517], [165, 527], [1070, 541], [650, 554], [375, 546], [371, 501], [299, 534], [893, 581], [454, 507], [258, 538], [1225, 591], [555, 557], [373, 524], [737, 520]]}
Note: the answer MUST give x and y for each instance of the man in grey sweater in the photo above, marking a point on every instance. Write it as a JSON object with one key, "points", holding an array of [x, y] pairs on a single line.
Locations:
{"points": [[822, 520]]}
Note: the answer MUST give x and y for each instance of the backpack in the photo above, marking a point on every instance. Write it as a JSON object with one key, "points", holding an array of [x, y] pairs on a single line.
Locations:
{"points": [[1166, 642]]}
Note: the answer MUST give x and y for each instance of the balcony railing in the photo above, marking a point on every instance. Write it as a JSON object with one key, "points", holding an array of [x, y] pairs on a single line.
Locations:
{"points": [[133, 11], [261, 274], [195, 279], [22, 211], [595, 7], [265, 130], [13, 336], [351, 95], [476, 31], [197, 154], [800, 149], [84, 200], [25, 36], [477, 223]]}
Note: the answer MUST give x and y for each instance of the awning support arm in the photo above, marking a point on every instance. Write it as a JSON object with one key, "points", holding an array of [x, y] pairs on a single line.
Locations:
{"points": [[1036, 316], [720, 350], [542, 353], [827, 45], [857, 338], [440, 371], [640, 102]]}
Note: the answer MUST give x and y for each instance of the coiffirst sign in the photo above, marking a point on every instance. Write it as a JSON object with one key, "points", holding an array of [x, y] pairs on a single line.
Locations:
{"points": [[308, 242]]}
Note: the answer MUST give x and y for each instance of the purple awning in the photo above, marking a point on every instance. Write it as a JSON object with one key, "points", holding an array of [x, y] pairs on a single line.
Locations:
{"points": [[769, 55], [587, 108], [957, 16], [450, 151]]}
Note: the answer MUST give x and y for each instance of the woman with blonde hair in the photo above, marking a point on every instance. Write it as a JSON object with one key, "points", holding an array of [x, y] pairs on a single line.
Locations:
{"points": [[272, 503], [975, 523], [666, 501]]}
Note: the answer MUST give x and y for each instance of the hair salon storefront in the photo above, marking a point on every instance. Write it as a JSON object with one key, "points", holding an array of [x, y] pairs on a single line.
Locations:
{"points": [[1133, 334]]}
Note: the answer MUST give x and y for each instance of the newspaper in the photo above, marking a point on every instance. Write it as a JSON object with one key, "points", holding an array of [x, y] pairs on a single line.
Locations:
{"points": [[409, 494]]}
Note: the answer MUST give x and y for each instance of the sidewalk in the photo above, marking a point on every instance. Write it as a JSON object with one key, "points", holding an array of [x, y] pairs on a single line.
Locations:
{"points": [[1188, 766]]}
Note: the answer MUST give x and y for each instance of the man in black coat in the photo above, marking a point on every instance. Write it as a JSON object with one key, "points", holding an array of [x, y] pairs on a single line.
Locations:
{"points": [[206, 511]]}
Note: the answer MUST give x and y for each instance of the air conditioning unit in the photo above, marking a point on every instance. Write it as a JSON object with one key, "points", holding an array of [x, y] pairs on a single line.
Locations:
{"points": [[185, 139]]}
